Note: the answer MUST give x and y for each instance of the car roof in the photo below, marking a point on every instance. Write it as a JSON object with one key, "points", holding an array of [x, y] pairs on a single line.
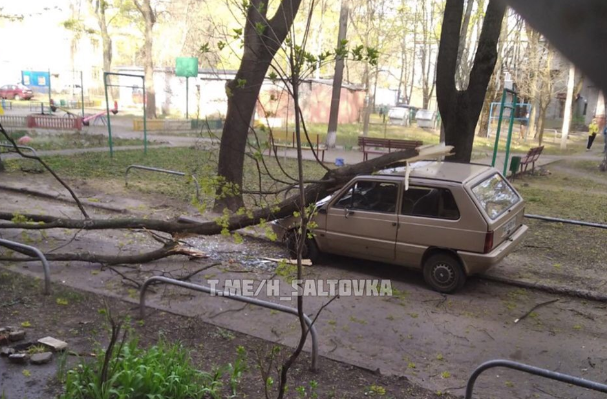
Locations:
{"points": [[435, 170]]}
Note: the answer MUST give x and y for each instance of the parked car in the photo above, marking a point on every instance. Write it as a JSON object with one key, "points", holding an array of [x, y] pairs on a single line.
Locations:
{"points": [[16, 92], [450, 220]]}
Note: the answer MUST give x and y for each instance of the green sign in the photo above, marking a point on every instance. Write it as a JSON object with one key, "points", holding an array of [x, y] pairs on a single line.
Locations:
{"points": [[186, 67]]}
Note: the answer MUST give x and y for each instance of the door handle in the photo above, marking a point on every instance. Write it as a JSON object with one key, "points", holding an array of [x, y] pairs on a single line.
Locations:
{"points": [[394, 224], [348, 213]]}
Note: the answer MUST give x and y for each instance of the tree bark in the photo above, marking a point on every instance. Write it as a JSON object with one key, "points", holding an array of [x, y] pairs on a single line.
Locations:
{"points": [[149, 19], [259, 51], [460, 109], [2, 168]]}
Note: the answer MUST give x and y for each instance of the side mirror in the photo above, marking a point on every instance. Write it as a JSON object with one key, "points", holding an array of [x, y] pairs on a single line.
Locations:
{"points": [[322, 211]]}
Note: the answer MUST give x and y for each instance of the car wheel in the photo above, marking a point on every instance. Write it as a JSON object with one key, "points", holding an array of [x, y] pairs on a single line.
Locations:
{"points": [[17, 97], [310, 249], [444, 273]]}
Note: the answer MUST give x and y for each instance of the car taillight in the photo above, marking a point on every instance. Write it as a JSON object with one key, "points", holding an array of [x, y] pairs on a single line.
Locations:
{"points": [[488, 242]]}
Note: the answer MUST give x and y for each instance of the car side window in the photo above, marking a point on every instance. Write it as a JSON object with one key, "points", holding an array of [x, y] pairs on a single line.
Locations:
{"points": [[5, 87], [429, 202], [371, 196]]}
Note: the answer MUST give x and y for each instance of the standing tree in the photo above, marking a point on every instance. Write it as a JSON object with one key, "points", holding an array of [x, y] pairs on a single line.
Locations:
{"points": [[263, 37], [568, 104], [460, 109], [149, 18], [99, 9]]}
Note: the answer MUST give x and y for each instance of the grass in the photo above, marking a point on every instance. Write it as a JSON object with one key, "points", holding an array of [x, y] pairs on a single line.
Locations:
{"points": [[162, 371], [62, 141], [566, 195], [201, 163]]}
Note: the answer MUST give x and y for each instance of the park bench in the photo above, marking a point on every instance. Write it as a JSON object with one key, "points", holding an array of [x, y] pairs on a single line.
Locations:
{"points": [[372, 145], [532, 156], [288, 140]]}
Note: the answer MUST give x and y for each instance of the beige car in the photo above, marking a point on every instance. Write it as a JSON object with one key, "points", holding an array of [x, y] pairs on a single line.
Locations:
{"points": [[449, 220]]}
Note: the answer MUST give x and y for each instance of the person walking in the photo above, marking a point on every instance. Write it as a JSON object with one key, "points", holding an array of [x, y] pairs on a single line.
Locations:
{"points": [[605, 139], [593, 129]]}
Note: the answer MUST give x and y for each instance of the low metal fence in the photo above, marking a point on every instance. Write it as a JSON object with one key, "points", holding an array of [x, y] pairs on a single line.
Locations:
{"points": [[13, 121], [47, 272], [566, 221], [229, 295], [170, 172], [51, 122], [553, 375]]}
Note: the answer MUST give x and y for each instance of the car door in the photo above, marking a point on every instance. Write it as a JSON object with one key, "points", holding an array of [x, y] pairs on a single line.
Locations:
{"points": [[363, 221], [428, 217], [4, 91]]}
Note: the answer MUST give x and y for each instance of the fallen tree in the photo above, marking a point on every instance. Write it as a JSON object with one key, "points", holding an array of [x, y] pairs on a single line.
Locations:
{"points": [[333, 180]]}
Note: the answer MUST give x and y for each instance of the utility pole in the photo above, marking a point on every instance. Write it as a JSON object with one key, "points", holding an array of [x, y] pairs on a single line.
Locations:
{"points": [[337, 77]]}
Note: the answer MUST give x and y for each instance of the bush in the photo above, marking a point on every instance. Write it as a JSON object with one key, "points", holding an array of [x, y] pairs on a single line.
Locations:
{"points": [[162, 371]]}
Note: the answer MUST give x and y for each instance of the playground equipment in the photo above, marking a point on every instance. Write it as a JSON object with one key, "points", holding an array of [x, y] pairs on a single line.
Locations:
{"points": [[99, 116], [512, 106], [107, 106]]}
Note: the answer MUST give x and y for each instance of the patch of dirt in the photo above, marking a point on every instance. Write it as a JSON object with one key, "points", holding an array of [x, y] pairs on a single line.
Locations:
{"points": [[75, 317]]}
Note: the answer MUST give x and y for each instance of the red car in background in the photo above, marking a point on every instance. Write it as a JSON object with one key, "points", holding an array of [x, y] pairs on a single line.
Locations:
{"points": [[16, 92]]}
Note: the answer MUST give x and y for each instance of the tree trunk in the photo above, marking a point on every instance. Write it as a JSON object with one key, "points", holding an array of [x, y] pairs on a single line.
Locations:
{"points": [[483, 125], [260, 46], [462, 43], [2, 168], [337, 78], [149, 19], [540, 122], [460, 109], [367, 109], [533, 84], [568, 102]]}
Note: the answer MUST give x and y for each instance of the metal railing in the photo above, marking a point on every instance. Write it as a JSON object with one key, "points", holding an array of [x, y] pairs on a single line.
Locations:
{"points": [[566, 221], [21, 147], [553, 375], [229, 295], [170, 172], [47, 271]]}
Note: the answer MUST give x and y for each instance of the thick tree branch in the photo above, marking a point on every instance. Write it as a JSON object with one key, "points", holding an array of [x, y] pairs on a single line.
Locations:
{"points": [[446, 63], [170, 249], [486, 55]]}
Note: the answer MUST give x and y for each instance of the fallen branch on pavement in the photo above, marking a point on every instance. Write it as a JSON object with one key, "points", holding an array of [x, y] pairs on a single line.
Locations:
{"points": [[539, 305]]}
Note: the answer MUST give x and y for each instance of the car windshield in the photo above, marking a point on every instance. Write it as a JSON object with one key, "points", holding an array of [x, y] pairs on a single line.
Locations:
{"points": [[495, 195]]}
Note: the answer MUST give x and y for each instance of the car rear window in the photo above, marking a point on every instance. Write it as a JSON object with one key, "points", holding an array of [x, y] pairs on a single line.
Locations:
{"points": [[495, 195]]}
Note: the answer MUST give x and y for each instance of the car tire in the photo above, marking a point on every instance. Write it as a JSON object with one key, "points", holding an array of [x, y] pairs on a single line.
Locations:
{"points": [[17, 97], [310, 249], [444, 273]]}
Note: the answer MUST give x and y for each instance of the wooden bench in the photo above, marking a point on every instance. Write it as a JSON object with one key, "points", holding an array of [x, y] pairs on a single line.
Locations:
{"points": [[289, 141], [532, 156], [370, 145]]}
